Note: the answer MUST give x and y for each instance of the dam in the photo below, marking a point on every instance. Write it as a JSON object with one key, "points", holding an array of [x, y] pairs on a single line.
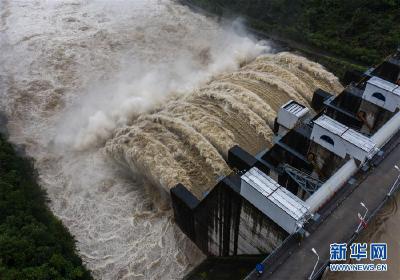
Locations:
{"points": [[287, 200], [188, 145]]}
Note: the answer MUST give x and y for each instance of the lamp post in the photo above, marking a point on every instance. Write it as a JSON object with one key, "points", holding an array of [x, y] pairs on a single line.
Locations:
{"points": [[395, 182], [365, 207], [315, 266], [362, 218]]}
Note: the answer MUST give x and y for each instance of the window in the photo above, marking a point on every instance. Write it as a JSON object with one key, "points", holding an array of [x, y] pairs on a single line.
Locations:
{"points": [[379, 96], [327, 139]]}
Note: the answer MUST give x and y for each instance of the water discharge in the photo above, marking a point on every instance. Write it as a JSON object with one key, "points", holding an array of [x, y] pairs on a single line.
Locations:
{"points": [[187, 140], [158, 88]]}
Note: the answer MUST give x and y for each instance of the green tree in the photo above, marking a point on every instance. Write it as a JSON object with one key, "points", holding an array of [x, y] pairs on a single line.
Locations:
{"points": [[33, 243]]}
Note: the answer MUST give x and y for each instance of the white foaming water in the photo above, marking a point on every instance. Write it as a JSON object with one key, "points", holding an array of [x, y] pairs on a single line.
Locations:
{"points": [[72, 72], [186, 140]]}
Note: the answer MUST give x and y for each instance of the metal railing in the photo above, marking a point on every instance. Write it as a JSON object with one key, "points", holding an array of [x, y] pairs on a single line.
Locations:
{"points": [[271, 261]]}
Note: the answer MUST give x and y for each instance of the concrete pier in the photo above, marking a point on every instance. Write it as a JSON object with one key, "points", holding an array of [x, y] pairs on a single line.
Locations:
{"points": [[223, 223]]}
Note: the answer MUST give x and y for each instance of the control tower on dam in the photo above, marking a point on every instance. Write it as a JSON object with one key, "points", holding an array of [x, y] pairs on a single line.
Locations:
{"points": [[322, 158]]}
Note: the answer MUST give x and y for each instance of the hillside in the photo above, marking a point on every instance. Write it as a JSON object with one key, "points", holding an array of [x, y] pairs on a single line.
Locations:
{"points": [[33, 243], [358, 32]]}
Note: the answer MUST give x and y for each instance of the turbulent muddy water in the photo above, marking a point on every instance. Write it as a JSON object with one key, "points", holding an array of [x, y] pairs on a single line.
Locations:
{"points": [[187, 140], [116, 98]]}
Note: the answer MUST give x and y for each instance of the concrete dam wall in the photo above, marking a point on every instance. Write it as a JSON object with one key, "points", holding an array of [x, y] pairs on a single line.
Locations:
{"points": [[225, 224], [186, 142]]}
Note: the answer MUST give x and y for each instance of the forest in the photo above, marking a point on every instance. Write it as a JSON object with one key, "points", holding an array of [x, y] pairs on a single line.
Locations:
{"points": [[360, 31], [33, 242]]}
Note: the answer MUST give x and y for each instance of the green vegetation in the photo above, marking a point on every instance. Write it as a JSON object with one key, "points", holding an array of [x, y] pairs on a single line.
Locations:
{"points": [[359, 32], [33, 243]]}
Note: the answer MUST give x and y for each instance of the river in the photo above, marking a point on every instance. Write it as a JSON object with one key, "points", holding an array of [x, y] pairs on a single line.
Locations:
{"points": [[82, 82]]}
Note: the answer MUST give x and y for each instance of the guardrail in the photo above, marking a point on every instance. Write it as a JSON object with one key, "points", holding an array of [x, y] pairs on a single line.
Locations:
{"points": [[356, 233], [272, 258], [277, 257], [392, 191]]}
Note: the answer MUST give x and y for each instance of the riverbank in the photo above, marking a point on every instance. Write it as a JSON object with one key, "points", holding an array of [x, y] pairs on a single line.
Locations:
{"points": [[337, 64], [34, 244]]}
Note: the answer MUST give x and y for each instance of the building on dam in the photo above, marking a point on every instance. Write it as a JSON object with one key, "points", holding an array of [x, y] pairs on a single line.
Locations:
{"points": [[317, 151]]}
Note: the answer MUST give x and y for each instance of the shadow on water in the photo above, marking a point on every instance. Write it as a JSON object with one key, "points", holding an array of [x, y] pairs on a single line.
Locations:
{"points": [[225, 268], [3, 124]]}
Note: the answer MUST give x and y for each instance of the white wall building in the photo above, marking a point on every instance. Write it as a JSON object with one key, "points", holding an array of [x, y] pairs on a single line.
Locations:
{"points": [[275, 201], [382, 93], [289, 115], [341, 140]]}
